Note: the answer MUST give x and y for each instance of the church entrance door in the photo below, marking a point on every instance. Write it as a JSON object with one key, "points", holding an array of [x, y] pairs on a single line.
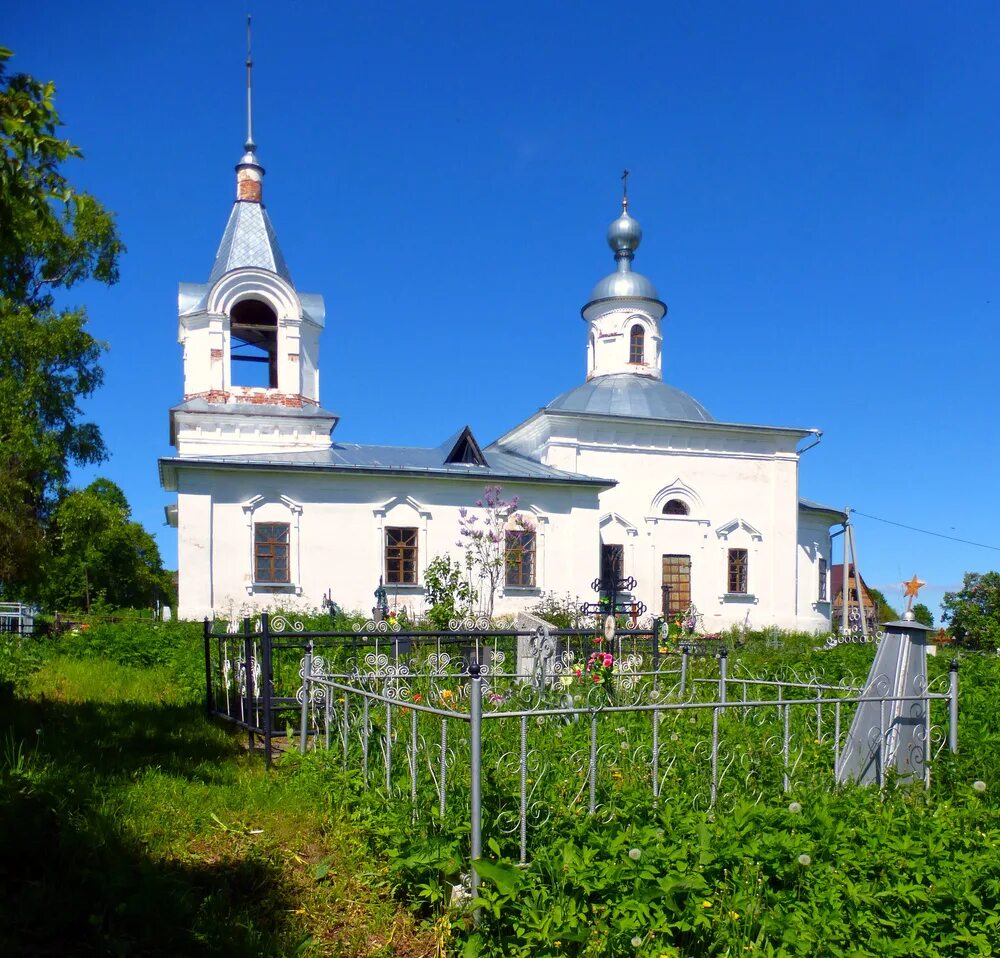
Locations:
{"points": [[676, 585]]}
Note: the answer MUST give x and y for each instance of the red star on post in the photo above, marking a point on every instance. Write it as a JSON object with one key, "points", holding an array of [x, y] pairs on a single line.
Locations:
{"points": [[911, 589]]}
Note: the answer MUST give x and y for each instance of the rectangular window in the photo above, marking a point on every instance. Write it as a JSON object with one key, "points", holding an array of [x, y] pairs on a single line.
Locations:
{"points": [[737, 578], [822, 580], [520, 558], [400, 556], [270, 552], [612, 565], [676, 585]]}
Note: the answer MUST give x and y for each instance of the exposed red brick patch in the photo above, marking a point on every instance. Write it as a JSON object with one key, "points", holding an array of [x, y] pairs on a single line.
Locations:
{"points": [[216, 354], [253, 397], [248, 189]]}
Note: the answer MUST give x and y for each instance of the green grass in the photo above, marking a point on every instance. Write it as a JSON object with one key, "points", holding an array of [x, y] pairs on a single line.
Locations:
{"points": [[134, 826]]}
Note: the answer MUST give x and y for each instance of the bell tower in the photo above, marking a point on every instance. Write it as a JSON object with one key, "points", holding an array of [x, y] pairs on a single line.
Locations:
{"points": [[250, 339]]}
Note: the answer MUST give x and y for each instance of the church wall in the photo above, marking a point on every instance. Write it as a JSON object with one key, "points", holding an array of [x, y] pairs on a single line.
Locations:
{"points": [[743, 497], [814, 543], [337, 533]]}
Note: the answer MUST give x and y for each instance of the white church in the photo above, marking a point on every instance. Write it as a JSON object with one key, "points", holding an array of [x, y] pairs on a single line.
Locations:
{"points": [[621, 475]]}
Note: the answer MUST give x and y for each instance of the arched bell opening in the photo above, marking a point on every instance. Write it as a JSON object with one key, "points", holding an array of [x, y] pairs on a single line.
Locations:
{"points": [[253, 347]]}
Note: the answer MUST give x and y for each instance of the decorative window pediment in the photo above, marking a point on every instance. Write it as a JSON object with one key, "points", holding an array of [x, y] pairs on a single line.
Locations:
{"points": [[680, 491], [613, 518], [383, 510], [735, 525], [273, 531]]}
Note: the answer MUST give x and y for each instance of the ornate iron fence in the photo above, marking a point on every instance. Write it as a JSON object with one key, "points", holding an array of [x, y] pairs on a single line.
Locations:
{"points": [[501, 728]]}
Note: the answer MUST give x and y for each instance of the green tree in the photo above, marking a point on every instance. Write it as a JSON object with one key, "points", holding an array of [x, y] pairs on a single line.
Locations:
{"points": [[100, 554], [922, 614], [448, 591], [52, 237], [886, 613], [973, 613]]}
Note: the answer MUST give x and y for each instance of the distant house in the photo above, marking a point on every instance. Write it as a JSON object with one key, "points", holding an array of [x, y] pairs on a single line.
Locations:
{"points": [[854, 580]]}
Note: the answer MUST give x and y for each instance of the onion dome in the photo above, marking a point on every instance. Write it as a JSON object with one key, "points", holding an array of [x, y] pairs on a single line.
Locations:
{"points": [[624, 237]]}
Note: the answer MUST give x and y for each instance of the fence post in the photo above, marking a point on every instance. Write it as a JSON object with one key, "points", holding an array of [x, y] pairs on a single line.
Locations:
{"points": [[657, 625], [723, 673], [953, 706], [684, 668], [267, 682], [475, 786], [248, 675], [307, 667], [209, 690]]}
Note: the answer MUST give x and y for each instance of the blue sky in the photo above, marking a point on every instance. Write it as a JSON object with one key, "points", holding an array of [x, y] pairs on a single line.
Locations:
{"points": [[816, 184]]}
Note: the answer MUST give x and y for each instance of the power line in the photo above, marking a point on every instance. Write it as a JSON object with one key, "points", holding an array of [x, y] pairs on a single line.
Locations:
{"points": [[927, 532]]}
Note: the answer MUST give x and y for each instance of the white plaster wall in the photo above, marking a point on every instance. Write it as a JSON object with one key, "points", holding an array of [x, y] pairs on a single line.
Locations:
{"points": [[723, 476], [814, 543], [609, 344], [222, 434], [340, 539]]}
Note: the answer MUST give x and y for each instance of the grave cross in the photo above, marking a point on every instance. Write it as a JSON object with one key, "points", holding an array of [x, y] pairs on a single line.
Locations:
{"points": [[609, 602]]}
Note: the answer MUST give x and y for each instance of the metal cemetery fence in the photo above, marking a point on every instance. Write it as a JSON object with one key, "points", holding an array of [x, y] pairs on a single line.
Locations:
{"points": [[508, 729]]}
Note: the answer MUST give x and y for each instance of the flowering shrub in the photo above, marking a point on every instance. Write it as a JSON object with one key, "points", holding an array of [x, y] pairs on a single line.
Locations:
{"points": [[484, 537]]}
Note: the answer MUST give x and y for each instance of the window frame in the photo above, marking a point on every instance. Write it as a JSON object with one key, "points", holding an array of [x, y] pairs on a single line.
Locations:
{"points": [[637, 345], [678, 600], [738, 572], [408, 551], [275, 543], [521, 565], [823, 591]]}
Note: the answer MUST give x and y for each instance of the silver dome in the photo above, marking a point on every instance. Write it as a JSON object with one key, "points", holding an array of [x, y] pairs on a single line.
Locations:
{"points": [[623, 283], [624, 234], [627, 394]]}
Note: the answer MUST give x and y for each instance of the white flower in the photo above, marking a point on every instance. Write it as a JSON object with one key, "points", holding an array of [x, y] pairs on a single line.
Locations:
{"points": [[805, 861], [636, 941], [635, 854], [675, 737], [795, 808], [979, 786]]}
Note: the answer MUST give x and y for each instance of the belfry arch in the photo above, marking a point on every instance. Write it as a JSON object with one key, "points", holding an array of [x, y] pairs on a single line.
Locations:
{"points": [[253, 348]]}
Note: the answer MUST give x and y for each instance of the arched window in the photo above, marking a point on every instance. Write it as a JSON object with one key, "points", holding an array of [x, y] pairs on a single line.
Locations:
{"points": [[637, 340], [675, 507]]}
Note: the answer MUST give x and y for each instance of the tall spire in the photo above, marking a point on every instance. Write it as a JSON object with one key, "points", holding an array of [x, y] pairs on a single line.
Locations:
{"points": [[249, 172], [249, 146]]}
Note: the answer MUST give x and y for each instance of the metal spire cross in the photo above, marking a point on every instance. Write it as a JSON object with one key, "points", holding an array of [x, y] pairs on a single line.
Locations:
{"points": [[625, 175], [250, 143]]}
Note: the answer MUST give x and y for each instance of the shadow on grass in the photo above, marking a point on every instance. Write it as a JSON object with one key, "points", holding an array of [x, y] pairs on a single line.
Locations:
{"points": [[73, 882]]}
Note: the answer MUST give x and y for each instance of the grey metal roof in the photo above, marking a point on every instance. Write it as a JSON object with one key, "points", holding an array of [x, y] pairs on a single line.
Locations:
{"points": [[623, 284], [419, 460], [249, 240], [819, 507], [200, 404], [628, 394]]}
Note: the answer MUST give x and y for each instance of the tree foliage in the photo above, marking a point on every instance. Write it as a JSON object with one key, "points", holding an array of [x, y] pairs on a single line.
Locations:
{"points": [[885, 612], [52, 236], [922, 614], [99, 555], [973, 613], [448, 591]]}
